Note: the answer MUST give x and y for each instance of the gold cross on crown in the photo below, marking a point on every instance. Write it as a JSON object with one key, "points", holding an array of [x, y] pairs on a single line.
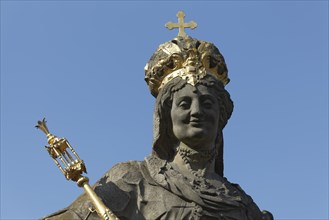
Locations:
{"points": [[181, 25]]}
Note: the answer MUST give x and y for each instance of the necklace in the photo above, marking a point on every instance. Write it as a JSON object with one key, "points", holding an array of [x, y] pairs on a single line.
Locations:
{"points": [[192, 156], [199, 182]]}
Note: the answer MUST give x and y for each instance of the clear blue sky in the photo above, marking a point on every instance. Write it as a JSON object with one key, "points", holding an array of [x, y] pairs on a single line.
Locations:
{"points": [[80, 65]]}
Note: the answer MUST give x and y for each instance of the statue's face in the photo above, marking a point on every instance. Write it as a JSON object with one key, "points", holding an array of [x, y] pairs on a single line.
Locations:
{"points": [[195, 116]]}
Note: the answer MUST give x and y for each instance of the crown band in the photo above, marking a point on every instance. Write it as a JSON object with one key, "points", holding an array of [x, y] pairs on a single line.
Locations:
{"points": [[191, 77]]}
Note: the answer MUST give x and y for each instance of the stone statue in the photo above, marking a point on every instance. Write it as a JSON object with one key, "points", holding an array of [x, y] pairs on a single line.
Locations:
{"points": [[183, 177]]}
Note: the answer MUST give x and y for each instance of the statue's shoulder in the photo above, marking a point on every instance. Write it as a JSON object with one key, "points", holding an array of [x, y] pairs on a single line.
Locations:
{"points": [[115, 189], [251, 205], [126, 172]]}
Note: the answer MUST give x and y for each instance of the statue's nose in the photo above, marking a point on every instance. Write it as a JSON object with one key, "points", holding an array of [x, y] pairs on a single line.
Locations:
{"points": [[196, 109]]}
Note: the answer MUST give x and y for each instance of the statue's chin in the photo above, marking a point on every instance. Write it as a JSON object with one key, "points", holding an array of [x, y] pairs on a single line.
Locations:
{"points": [[197, 138]]}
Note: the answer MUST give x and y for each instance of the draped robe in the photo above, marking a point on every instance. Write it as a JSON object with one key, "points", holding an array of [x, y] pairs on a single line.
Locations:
{"points": [[155, 189]]}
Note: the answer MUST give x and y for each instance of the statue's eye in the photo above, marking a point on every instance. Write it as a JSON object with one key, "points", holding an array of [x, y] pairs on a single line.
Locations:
{"points": [[184, 104], [207, 103]]}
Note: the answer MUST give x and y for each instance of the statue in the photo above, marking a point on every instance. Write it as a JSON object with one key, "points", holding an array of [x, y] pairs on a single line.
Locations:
{"points": [[183, 177]]}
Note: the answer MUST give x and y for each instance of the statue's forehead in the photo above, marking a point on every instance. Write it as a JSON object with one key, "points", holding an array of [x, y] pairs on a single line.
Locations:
{"points": [[197, 90]]}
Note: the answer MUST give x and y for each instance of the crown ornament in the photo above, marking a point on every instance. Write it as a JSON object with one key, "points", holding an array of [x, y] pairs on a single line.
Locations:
{"points": [[184, 57]]}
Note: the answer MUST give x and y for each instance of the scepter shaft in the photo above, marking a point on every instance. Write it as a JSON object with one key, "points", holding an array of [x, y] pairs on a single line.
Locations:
{"points": [[101, 209]]}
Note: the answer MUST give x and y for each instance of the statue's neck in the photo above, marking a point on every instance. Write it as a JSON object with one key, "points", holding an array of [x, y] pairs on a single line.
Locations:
{"points": [[196, 162]]}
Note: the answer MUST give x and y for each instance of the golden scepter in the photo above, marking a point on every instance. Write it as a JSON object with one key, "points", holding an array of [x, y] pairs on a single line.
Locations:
{"points": [[73, 167]]}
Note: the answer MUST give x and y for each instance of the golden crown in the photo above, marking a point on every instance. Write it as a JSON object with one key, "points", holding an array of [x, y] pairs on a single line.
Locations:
{"points": [[184, 57]]}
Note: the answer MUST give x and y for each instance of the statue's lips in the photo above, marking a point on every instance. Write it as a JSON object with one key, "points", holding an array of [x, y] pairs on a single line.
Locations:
{"points": [[196, 123]]}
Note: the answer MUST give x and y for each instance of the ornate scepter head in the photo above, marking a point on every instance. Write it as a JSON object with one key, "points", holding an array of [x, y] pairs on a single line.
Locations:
{"points": [[63, 154]]}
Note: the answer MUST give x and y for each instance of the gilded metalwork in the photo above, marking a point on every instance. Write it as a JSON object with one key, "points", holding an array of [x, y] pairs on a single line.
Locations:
{"points": [[181, 25], [70, 164], [187, 58]]}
